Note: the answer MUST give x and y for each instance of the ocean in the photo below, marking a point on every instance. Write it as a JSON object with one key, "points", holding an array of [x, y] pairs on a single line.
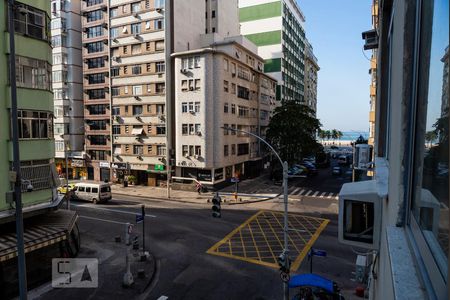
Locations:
{"points": [[353, 135]]}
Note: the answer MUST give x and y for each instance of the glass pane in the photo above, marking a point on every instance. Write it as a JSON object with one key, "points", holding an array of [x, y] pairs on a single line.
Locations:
{"points": [[430, 207]]}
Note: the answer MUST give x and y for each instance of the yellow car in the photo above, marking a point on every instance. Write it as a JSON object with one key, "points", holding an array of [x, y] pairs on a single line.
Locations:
{"points": [[62, 188]]}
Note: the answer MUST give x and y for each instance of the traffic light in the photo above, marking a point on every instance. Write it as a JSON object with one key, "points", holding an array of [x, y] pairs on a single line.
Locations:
{"points": [[283, 262], [216, 206]]}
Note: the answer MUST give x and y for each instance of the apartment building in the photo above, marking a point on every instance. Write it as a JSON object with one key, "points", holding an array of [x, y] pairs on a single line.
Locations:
{"points": [[406, 225], [222, 85], [277, 28], [67, 86], [96, 88], [311, 78], [35, 104]]}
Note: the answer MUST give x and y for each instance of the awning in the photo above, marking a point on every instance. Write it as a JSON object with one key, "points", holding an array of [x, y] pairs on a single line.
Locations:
{"points": [[39, 232], [157, 172], [137, 131]]}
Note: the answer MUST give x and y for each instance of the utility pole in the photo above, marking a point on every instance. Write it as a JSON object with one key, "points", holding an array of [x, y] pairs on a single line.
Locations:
{"points": [[285, 253], [16, 158]]}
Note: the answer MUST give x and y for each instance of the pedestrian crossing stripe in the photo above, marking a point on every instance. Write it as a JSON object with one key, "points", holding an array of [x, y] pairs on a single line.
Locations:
{"points": [[310, 193]]}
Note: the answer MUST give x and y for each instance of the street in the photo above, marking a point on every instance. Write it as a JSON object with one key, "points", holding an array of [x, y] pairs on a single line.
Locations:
{"points": [[178, 236]]}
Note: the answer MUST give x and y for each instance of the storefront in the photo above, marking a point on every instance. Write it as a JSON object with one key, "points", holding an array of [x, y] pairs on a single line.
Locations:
{"points": [[76, 168]]}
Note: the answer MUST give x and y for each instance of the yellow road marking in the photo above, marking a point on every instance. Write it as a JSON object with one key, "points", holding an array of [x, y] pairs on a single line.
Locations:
{"points": [[258, 246]]}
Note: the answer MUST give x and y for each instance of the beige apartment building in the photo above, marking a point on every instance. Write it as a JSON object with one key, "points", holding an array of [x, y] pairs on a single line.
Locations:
{"points": [[311, 70]]}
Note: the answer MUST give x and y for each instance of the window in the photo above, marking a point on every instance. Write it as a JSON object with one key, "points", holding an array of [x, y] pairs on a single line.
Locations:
{"points": [[59, 76], [160, 87], [138, 150], [161, 129], [147, 46], [31, 21], [197, 84], [125, 49], [136, 70], [191, 129], [184, 129], [184, 107], [243, 111], [225, 131], [59, 146], [94, 63], [115, 91], [243, 92], [125, 70], [160, 67], [35, 124], [225, 64], [159, 45], [59, 41], [59, 58], [95, 47], [60, 94], [113, 12], [97, 125], [137, 110], [429, 192], [225, 150], [135, 7], [243, 149], [136, 28], [197, 107], [160, 109], [233, 132], [115, 71], [94, 31], [99, 109], [93, 2], [159, 24], [96, 78], [114, 32], [233, 149], [213, 14], [191, 106], [225, 108], [97, 140], [185, 150], [197, 61], [159, 3], [225, 86], [198, 150], [34, 73], [94, 15], [116, 111], [184, 86], [148, 67], [136, 49], [233, 109], [233, 89], [160, 150], [116, 129], [96, 94]]}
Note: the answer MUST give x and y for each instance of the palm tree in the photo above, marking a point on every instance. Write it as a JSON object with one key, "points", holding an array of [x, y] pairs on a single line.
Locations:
{"points": [[334, 134], [322, 134], [327, 134], [430, 136]]}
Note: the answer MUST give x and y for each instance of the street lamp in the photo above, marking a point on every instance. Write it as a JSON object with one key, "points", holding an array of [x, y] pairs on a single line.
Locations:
{"points": [[285, 200]]}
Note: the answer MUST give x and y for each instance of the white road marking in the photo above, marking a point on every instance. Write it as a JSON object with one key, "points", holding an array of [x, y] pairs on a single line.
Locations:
{"points": [[301, 192], [103, 220], [163, 298], [112, 210], [315, 194], [309, 192], [295, 191], [323, 194], [330, 195]]}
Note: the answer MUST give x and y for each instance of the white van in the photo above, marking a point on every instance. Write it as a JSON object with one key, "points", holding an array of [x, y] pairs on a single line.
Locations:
{"points": [[95, 192]]}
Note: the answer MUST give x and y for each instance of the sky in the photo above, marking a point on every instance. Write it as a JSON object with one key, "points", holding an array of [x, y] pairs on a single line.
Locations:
{"points": [[334, 29]]}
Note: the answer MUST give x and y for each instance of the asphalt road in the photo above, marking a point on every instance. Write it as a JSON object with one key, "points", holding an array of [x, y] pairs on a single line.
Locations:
{"points": [[178, 235]]}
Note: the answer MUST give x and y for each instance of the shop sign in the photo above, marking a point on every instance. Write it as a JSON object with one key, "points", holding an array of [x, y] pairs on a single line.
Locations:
{"points": [[117, 165], [77, 163], [159, 167], [104, 164]]}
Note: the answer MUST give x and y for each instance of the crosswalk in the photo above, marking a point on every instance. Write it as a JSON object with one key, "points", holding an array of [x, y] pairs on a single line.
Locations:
{"points": [[304, 192]]}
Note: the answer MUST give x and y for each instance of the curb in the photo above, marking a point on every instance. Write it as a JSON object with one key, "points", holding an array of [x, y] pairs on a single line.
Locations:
{"points": [[160, 198]]}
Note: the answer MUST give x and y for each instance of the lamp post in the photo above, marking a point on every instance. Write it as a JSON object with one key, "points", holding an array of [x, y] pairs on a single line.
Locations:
{"points": [[16, 157], [285, 200]]}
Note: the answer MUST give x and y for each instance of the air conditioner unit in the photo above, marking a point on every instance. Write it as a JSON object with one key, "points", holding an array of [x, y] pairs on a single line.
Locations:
{"points": [[65, 82], [115, 40], [192, 112], [159, 9], [196, 156], [116, 137], [136, 15], [199, 133], [116, 58], [116, 155], [136, 36], [139, 157], [138, 118], [191, 88], [137, 98], [184, 71], [162, 117], [186, 155]]}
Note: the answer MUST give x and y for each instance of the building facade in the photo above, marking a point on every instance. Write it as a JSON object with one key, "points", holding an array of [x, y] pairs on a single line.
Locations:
{"points": [[35, 103], [311, 78], [67, 86], [409, 248], [96, 88], [277, 28], [217, 87], [373, 77]]}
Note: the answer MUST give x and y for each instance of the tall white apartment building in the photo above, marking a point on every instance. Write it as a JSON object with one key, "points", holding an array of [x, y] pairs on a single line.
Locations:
{"points": [[67, 84]]}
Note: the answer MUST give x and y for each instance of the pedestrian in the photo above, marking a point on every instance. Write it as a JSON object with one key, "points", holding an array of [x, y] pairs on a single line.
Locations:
{"points": [[199, 188]]}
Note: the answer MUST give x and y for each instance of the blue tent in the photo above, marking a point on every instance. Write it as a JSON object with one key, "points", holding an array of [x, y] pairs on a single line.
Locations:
{"points": [[311, 280]]}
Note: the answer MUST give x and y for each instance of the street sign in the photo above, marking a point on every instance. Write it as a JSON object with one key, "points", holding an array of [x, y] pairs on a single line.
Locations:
{"points": [[285, 277], [315, 252], [139, 218], [234, 179], [159, 167]]}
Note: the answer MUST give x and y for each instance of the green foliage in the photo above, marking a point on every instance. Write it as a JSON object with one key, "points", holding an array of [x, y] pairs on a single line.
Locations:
{"points": [[292, 131]]}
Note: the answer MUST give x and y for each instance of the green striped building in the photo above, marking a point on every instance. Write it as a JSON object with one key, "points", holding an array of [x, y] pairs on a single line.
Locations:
{"points": [[276, 27]]}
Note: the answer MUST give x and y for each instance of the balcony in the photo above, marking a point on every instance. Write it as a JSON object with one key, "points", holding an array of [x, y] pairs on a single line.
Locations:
{"points": [[89, 5], [373, 90]]}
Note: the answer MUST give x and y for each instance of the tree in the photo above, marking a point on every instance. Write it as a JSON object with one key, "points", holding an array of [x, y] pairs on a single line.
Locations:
{"points": [[334, 134], [328, 134], [340, 134], [322, 134], [431, 136], [292, 131]]}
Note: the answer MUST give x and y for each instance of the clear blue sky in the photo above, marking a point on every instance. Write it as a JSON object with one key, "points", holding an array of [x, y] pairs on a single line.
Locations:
{"points": [[334, 28]]}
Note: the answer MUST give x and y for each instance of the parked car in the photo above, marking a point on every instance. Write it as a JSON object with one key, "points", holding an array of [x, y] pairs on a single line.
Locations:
{"points": [[95, 192], [297, 170], [312, 170], [336, 171], [63, 189]]}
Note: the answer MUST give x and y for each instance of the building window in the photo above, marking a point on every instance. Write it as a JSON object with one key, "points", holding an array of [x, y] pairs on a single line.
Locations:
{"points": [[138, 150], [159, 3], [34, 73], [136, 28], [225, 64], [233, 109], [225, 131], [159, 45], [160, 109], [137, 110], [243, 92], [94, 31], [98, 62], [213, 14], [114, 32], [197, 84], [115, 91], [93, 2], [198, 150], [159, 24], [225, 150], [233, 149], [197, 61], [99, 109], [96, 94], [161, 129], [113, 12], [184, 107], [160, 67], [35, 124], [60, 94], [97, 154], [115, 71], [233, 89], [185, 150], [136, 70], [97, 125], [243, 149], [115, 111], [94, 15], [59, 41], [184, 85], [135, 7], [96, 78], [135, 49], [225, 108], [97, 140], [125, 49], [225, 86], [31, 21], [95, 47], [160, 88], [161, 150], [197, 107]]}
